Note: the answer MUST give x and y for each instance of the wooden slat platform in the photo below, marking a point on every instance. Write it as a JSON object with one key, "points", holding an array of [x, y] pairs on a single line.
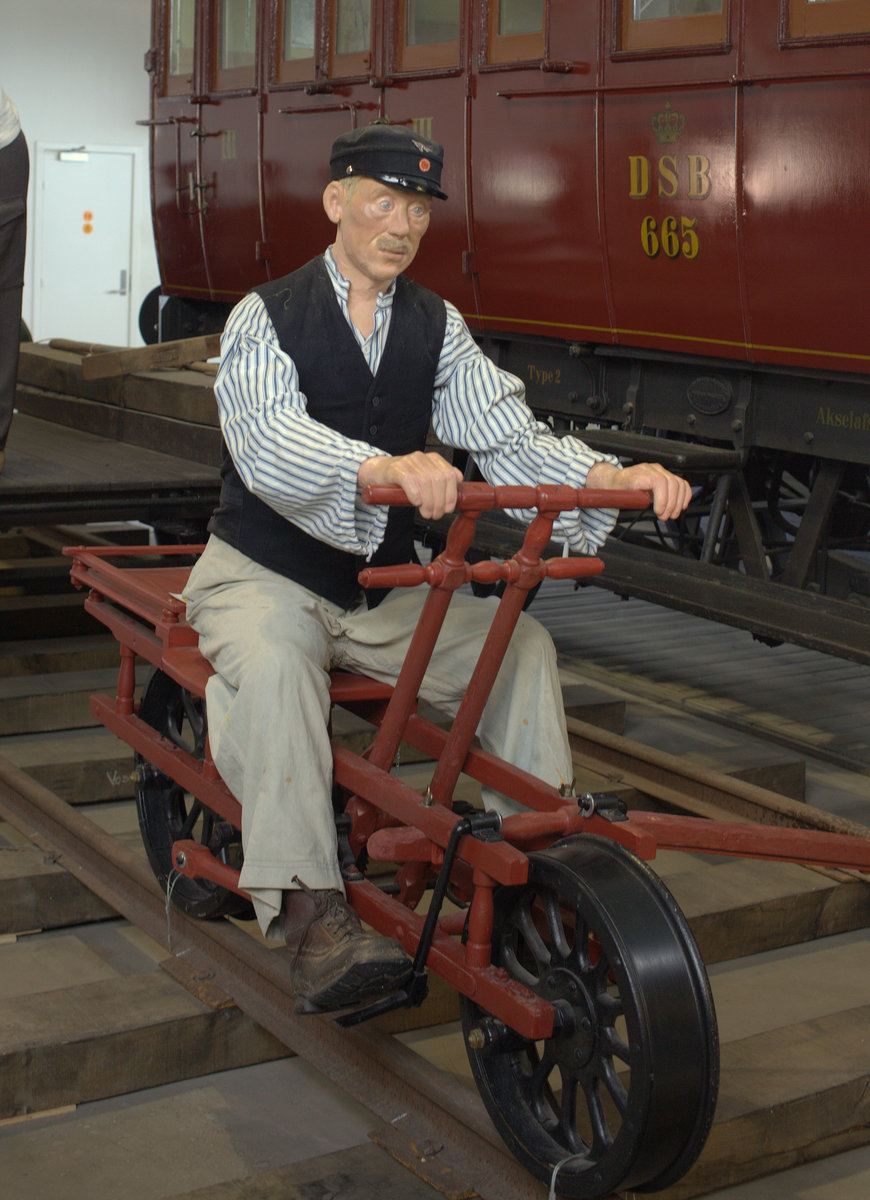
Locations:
{"points": [[55, 473]]}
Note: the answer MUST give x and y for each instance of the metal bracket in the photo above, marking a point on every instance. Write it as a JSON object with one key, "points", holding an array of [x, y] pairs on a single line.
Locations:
{"points": [[603, 804]]}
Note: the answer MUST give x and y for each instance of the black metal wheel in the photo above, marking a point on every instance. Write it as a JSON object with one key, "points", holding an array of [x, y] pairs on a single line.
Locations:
{"points": [[622, 1095], [167, 813]]}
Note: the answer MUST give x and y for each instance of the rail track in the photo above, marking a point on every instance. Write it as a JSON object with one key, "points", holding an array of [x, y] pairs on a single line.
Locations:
{"points": [[392, 1080], [779, 906]]}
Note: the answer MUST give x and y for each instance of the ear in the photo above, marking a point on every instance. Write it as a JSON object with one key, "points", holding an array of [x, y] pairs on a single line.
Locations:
{"points": [[333, 200]]}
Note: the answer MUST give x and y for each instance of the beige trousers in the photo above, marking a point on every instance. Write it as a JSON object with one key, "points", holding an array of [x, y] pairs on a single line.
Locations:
{"points": [[272, 644]]}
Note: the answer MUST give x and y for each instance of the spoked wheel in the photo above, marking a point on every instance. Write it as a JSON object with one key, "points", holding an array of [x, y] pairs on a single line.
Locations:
{"points": [[167, 813], [622, 1094]]}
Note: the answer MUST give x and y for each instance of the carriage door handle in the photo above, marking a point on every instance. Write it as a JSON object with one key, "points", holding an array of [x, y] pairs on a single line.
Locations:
{"points": [[122, 290]]}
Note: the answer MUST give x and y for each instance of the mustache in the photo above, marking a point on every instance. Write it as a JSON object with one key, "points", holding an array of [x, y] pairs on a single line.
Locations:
{"points": [[396, 245]]}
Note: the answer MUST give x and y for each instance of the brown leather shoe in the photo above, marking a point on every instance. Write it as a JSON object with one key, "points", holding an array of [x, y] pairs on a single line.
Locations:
{"points": [[335, 963]]}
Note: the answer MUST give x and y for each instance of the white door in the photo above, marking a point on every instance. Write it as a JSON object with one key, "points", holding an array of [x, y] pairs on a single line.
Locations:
{"points": [[82, 244]]}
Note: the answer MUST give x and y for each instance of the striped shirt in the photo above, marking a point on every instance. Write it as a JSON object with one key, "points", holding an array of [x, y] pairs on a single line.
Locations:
{"points": [[308, 473]]}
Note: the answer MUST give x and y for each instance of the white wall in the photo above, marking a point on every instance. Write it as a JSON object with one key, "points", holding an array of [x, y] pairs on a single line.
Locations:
{"points": [[74, 70]]}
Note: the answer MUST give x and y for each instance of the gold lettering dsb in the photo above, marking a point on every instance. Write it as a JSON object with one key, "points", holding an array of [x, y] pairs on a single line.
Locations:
{"points": [[638, 170], [699, 177], [668, 181], [673, 176], [672, 236]]}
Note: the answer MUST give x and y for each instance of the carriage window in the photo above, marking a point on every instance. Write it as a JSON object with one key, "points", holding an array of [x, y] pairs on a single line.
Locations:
{"points": [[296, 22], [516, 30], [235, 61], [179, 46], [827, 18], [351, 37], [430, 34], [660, 24], [298, 29]]}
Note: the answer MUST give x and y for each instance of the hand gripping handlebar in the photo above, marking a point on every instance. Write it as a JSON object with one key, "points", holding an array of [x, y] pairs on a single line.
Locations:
{"points": [[476, 498]]}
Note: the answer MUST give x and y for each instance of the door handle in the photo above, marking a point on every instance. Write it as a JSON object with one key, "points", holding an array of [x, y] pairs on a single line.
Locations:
{"points": [[122, 290]]}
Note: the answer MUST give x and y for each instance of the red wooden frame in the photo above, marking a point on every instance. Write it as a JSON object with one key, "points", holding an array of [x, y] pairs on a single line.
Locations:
{"points": [[389, 817]]}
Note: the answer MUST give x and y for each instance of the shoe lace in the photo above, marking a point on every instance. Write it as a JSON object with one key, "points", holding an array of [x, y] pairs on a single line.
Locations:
{"points": [[331, 908]]}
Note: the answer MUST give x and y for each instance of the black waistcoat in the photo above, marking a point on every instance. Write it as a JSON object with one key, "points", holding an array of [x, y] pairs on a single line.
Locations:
{"points": [[390, 411]]}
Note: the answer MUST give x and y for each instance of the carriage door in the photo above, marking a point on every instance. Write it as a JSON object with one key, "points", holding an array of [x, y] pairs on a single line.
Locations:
{"points": [[534, 176], [174, 66], [229, 137], [325, 77], [425, 88]]}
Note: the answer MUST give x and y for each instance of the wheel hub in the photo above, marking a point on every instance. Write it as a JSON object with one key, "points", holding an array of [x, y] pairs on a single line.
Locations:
{"points": [[577, 1033]]}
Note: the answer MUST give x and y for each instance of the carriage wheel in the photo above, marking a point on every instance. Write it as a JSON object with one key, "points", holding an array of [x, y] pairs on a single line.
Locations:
{"points": [[167, 813], [622, 1094]]}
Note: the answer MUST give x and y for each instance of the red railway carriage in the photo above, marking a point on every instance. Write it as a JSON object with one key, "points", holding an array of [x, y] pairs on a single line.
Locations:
{"points": [[656, 218]]}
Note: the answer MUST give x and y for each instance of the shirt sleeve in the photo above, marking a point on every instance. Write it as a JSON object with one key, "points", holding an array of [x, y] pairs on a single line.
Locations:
{"points": [[482, 409], [301, 468]]}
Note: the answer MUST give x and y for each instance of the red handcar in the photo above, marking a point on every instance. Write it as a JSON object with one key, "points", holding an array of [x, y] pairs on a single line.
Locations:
{"points": [[586, 1010]]}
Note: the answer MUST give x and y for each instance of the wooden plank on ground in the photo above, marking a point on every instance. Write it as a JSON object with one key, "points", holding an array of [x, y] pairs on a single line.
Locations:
{"points": [[198, 443], [592, 705], [103, 364], [187, 394], [35, 893], [111, 1036], [32, 617], [167, 393], [738, 907], [81, 766], [34, 704], [45, 656], [358, 1173], [795, 1080]]}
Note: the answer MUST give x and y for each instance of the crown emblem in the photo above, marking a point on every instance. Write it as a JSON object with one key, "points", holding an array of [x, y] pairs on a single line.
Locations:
{"points": [[668, 125]]}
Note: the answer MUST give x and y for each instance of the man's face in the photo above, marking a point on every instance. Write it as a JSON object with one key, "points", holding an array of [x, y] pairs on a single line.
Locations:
{"points": [[378, 229]]}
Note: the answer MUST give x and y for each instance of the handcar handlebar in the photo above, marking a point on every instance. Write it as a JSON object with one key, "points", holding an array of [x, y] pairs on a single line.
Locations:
{"points": [[481, 497], [437, 572]]}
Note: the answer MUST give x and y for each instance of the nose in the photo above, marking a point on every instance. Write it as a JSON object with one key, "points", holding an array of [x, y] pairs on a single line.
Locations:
{"points": [[400, 223]]}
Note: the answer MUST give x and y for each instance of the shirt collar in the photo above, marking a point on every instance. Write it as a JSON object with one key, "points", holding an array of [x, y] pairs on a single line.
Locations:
{"points": [[342, 285]]}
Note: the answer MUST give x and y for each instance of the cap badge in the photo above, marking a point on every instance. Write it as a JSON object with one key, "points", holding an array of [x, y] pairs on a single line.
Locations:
{"points": [[425, 165]]}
